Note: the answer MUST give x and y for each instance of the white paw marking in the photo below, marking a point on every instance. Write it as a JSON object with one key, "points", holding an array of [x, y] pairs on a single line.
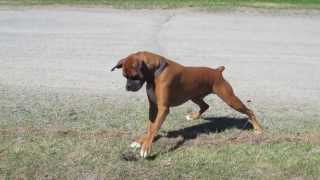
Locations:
{"points": [[188, 117], [143, 153], [135, 145]]}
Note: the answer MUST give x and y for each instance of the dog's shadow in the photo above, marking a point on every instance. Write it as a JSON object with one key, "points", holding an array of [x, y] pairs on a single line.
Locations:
{"points": [[212, 125]]}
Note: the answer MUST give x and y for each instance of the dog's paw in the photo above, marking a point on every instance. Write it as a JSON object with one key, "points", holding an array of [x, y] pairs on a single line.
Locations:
{"points": [[145, 149], [143, 153], [135, 145]]}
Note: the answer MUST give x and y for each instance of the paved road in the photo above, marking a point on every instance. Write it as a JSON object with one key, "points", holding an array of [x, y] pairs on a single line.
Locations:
{"points": [[270, 57]]}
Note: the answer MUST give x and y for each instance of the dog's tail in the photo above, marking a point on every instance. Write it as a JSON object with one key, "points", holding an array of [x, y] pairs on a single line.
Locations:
{"points": [[221, 68]]}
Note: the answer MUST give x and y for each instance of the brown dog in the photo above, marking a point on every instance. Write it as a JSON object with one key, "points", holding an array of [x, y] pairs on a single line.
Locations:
{"points": [[171, 84]]}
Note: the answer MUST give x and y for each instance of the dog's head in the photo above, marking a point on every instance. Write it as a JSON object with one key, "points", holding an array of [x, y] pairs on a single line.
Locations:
{"points": [[137, 69]]}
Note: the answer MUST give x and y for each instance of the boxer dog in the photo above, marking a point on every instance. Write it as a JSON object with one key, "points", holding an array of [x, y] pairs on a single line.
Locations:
{"points": [[172, 84]]}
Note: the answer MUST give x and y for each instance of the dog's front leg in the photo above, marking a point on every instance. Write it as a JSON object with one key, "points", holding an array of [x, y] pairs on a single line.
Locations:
{"points": [[160, 115], [153, 110]]}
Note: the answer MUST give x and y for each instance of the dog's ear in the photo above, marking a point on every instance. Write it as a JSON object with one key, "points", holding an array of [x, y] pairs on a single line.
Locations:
{"points": [[119, 64]]}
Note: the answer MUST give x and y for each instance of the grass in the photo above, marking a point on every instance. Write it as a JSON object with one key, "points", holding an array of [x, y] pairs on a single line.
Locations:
{"points": [[170, 4], [54, 135]]}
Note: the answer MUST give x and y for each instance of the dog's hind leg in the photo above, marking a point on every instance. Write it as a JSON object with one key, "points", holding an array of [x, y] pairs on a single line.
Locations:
{"points": [[203, 107], [223, 89]]}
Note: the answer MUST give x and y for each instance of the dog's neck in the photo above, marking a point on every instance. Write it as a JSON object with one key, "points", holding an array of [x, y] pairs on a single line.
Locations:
{"points": [[150, 84], [159, 69]]}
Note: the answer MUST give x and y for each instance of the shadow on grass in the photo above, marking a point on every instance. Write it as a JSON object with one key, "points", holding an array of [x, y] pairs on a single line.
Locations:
{"points": [[213, 125]]}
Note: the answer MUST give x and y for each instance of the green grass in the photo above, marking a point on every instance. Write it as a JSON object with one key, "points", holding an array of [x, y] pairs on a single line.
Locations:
{"points": [[54, 135], [49, 157], [165, 4]]}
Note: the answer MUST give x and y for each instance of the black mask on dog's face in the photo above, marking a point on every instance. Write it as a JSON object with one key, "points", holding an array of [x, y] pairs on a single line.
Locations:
{"points": [[135, 71], [135, 76], [134, 83]]}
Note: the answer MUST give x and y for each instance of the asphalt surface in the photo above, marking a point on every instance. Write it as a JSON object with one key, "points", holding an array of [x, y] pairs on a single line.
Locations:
{"points": [[268, 57]]}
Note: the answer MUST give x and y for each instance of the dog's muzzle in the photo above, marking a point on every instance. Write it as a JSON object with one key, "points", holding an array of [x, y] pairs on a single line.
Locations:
{"points": [[134, 85]]}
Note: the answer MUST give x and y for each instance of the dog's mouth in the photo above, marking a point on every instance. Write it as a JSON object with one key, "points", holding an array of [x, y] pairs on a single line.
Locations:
{"points": [[134, 85]]}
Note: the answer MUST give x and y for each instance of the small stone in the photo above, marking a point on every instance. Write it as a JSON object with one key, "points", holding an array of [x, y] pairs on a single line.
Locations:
{"points": [[129, 156]]}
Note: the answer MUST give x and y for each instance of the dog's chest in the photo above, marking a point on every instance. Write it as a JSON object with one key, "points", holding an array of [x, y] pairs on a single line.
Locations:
{"points": [[151, 94]]}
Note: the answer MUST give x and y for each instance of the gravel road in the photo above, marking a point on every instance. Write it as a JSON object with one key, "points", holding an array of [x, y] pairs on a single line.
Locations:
{"points": [[268, 56]]}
